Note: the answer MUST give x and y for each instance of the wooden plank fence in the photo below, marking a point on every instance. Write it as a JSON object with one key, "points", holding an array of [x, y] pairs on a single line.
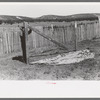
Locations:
{"points": [[65, 34]]}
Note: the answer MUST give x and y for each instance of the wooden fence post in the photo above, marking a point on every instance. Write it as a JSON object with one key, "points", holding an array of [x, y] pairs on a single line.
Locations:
{"points": [[24, 42], [75, 36]]}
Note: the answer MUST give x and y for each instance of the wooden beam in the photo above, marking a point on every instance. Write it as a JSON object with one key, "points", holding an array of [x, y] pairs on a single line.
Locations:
{"points": [[48, 38]]}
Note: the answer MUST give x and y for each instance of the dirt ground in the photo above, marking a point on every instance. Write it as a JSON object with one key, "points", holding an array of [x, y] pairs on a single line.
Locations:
{"points": [[13, 69]]}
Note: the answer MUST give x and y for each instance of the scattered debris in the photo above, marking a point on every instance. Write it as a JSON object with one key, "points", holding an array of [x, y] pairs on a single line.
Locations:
{"points": [[67, 58]]}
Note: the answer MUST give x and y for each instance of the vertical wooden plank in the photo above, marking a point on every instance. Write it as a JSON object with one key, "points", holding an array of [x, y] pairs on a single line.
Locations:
{"points": [[34, 39], [19, 44], [42, 37], [6, 40], [75, 35], [1, 43], [98, 29], [68, 34], [3, 40], [72, 33], [18, 39], [92, 30], [30, 41], [64, 35], [38, 41], [45, 40], [53, 35], [58, 34], [43, 33], [26, 41], [78, 33], [9, 38], [13, 40], [84, 36], [88, 31], [81, 32], [95, 30], [47, 33], [85, 30], [59, 37]]}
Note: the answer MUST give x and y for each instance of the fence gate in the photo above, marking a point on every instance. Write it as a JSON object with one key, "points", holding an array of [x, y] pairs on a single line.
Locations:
{"points": [[25, 41]]}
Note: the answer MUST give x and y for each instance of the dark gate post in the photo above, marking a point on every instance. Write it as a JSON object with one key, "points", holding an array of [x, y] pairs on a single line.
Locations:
{"points": [[24, 42]]}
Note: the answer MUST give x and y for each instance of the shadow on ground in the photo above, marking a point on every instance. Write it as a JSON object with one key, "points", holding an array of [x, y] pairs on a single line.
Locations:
{"points": [[18, 58]]}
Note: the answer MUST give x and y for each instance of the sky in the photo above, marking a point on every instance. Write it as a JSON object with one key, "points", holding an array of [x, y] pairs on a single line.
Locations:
{"points": [[39, 9]]}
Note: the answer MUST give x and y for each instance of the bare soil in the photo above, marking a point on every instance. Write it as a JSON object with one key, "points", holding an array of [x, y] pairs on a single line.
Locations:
{"points": [[13, 68]]}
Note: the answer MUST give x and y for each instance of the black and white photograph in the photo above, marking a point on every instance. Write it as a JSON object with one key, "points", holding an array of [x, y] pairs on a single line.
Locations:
{"points": [[49, 50], [51, 41]]}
